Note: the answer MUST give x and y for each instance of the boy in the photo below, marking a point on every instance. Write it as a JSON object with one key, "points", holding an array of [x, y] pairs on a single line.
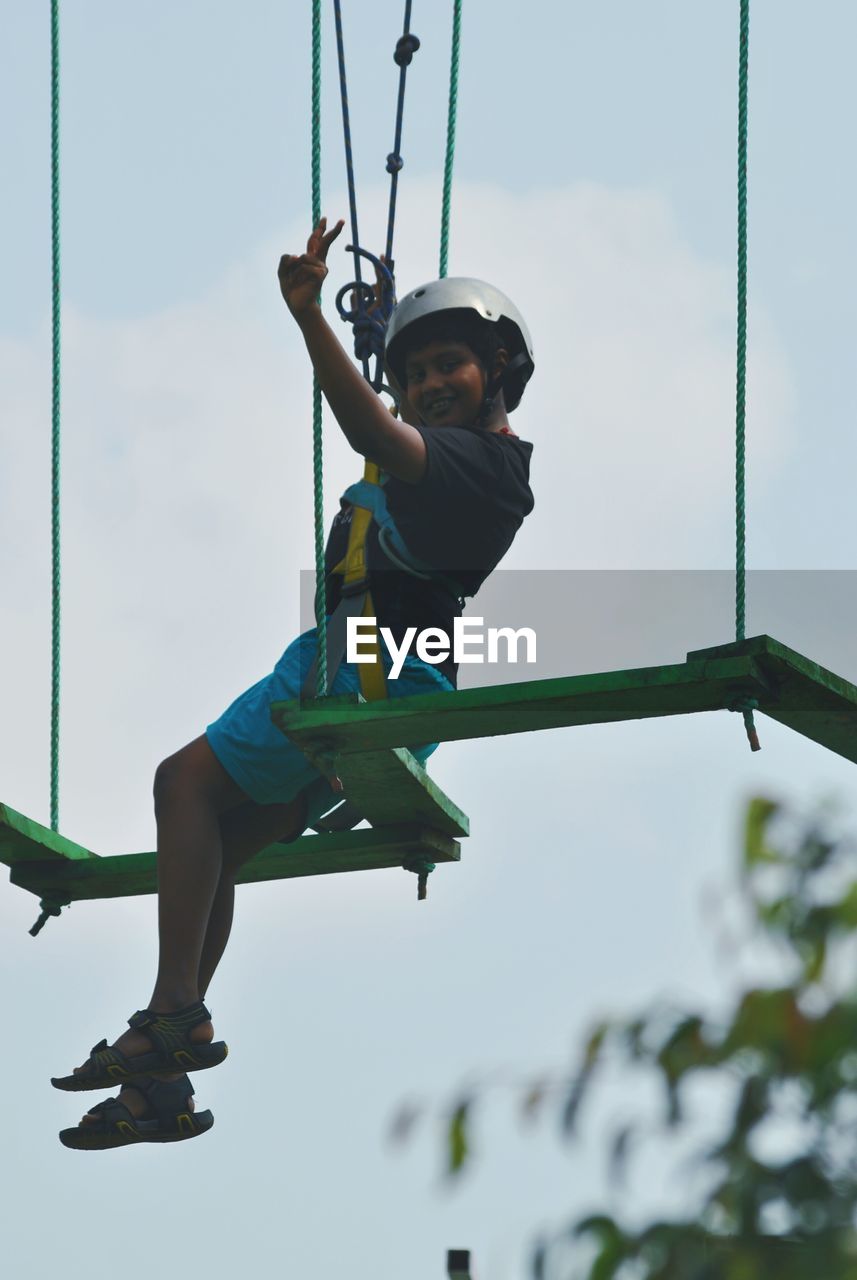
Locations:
{"points": [[457, 489]]}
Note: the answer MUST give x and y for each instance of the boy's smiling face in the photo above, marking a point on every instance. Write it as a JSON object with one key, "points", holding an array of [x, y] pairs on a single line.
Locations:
{"points": [[445, 383]]}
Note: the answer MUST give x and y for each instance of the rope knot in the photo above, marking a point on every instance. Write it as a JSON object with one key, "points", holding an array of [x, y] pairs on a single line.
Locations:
{"points": [[406, 47], [422, 868], [394, 162], [747, 706], [370, 310], [50, 907], [368, 337]]}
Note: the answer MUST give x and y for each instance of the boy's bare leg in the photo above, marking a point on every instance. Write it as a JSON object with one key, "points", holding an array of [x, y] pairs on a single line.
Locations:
{"points": [[245, 831], [192, 790], [194, 798], [207, 829]]}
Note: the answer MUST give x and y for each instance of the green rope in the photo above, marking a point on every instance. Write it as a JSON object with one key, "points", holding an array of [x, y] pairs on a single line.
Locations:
{"points": [[422, 869], [740, 381], [741, 363], [55, 415], [450, 138], [317, 449]]}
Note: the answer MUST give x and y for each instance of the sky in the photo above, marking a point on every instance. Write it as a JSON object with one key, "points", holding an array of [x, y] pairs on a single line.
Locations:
{"points": [[595, 184]]}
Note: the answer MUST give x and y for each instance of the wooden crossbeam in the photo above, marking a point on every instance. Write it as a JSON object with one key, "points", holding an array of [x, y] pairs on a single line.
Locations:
{"points": [[363, 744], [51, 866], [413, 822], [805, 696], [392, 786], [349, 726], [787, 686], [22, 840]]}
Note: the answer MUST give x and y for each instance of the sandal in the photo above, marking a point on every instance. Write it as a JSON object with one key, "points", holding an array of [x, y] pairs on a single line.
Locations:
{"points": [[168, 1118], [172, 1051]]}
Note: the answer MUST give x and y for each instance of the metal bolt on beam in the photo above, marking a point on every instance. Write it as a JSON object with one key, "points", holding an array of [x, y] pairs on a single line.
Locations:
{"points": [[458, 1264]]}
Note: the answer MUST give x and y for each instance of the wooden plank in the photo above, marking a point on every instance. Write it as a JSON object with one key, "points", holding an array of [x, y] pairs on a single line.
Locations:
{"points": [[683, 688], [23, 840], [805, 697], [129, 874], [392, 787]]}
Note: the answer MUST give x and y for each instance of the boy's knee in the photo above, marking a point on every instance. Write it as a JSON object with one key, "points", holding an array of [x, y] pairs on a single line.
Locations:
{"points": [[176, 779], [167, 784], [195, 773]]}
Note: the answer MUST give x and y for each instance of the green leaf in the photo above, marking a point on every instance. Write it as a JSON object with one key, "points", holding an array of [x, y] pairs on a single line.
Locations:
{"points": [[778, 914], [613, 1243], [674, 1115], [814, 952], [533, 1098], [619, 1145], [540, 1261], [767, 1019], [579, 1084], [600, 1225], [458, 1145], [760, 811], [845, 909], [684, 1049], [595, 1043], [403, 1122], [572, 1103], [633, 1034], [815, 851], [752, 1105]]}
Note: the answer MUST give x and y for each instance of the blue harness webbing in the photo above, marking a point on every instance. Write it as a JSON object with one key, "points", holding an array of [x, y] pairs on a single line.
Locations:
{"points": [[368, 497]]}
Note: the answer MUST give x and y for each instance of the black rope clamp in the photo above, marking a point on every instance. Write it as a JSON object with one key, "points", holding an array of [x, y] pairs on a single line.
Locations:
{"points": [[368, 315], [406, 47], [394, 162]]}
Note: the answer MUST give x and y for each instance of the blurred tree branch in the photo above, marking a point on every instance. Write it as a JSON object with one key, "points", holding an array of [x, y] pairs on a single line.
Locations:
{"points": [[790, 1052]]}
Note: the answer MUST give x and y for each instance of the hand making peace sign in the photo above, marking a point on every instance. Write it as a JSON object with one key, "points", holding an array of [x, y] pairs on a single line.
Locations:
{"points": [[301, 277]]}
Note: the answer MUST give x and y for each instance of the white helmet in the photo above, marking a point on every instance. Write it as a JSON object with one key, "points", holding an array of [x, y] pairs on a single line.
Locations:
{"points": [[459, 293]]}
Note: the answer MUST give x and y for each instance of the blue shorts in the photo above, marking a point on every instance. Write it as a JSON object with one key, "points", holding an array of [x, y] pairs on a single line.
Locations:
{"points": [[266, 764]]}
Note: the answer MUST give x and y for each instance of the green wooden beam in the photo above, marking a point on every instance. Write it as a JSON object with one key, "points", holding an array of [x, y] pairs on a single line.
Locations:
{"points": [[416, 820], [22, 840], [789, 687], [349, 726], [128, 874], [392, 786], [805, 696]]}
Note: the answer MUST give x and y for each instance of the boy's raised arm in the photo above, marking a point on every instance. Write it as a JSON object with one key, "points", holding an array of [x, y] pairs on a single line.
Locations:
{"points": [[365, 422]]}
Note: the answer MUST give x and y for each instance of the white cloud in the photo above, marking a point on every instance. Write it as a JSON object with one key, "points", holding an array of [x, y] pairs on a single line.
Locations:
{"points": [[632, 405]]}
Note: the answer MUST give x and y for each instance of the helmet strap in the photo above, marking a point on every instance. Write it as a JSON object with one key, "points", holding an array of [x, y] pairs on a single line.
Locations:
{"points": [[492, 388]]}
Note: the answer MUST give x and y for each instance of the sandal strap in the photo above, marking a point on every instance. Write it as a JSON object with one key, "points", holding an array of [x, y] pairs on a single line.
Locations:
{"points": [[104, 1060], [165, 1101], [170, 1031], [165, 1098], [110, 1112]]}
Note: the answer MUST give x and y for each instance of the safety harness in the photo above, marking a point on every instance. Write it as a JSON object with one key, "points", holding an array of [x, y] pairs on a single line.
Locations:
{"points": [[368, 502]]}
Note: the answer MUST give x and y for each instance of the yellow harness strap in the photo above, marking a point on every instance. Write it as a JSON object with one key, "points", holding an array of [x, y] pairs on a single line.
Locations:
{"points": [[373, 681]]}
